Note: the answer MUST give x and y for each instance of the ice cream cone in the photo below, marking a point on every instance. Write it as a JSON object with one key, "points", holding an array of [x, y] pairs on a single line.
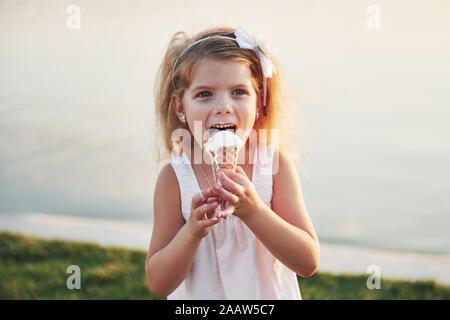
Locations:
{"points": [[223, 148], [223, 158]]}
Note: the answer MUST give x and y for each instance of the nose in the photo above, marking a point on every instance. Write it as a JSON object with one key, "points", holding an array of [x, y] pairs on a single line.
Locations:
{"points": [[223, 104]]}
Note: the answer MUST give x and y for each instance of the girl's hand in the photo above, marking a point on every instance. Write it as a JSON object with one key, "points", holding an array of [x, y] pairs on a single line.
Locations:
{"points": [[238, 192], [202, 217]]}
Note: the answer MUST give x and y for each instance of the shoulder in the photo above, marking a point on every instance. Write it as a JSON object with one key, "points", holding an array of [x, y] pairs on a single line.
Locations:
{"points": [[166, 183], [167, 217], [166, 201], [282, 164], [287, 194], [166, 175]]}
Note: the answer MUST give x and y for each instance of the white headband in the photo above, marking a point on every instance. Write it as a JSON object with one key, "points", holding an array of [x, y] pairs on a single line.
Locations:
{"points": [[244, 40]]}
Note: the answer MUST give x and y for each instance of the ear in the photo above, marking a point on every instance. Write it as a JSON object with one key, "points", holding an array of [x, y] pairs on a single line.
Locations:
{"points": [[177, 105]]}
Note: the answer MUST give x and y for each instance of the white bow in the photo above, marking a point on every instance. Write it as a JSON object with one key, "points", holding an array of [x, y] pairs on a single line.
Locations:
{"points": [[259, 46]]}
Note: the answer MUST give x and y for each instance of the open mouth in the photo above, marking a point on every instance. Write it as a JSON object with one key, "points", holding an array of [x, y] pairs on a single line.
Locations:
{"points": [[221, 127]]}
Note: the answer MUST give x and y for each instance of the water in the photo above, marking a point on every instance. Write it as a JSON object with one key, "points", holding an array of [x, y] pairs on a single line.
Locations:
{"points": [[76, 111]]}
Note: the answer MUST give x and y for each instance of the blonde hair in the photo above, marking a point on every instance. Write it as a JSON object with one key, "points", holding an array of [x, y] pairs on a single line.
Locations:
{"points": [[174, 80]]}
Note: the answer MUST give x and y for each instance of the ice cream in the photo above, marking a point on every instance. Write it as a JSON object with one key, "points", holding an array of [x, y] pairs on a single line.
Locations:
{"points": [[223, 148]]}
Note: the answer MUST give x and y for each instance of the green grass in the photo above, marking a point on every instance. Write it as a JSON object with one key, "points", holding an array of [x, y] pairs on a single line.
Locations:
{"points": [[32, 268]]}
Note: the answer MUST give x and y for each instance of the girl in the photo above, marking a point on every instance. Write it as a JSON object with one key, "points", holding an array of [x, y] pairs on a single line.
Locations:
{"points": [[224, 78]]}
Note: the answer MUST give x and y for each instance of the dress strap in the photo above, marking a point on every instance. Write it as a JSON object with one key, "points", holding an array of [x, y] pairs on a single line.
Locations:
{"points": [[262, 172], [186, 181]]}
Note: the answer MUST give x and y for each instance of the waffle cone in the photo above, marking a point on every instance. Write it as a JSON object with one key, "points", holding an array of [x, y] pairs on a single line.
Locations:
{"points": [[223, 158], [223, 148]]}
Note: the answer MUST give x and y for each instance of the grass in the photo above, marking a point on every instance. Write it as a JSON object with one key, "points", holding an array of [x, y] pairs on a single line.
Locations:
{"points": [[32, 268]]}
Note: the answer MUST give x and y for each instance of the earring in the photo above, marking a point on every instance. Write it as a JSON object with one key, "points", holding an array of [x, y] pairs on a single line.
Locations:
{"points": [[183, 118], [257, 114]]}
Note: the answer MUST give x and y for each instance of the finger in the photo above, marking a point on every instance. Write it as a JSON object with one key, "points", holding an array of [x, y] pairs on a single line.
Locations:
{"points": [[202, 211], [239, 177], [229, 184], [241, 171], [202, 196], [209, 222], [212, 199], [198, 199], [228, 211], [225, 194], [213, 212]]}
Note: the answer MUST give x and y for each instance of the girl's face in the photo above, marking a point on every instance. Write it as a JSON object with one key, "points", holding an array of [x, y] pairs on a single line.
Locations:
{"points": [[221, 92]]}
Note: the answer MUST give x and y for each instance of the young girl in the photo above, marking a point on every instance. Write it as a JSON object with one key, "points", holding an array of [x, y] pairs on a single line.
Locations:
{"points": [[225, 79]]}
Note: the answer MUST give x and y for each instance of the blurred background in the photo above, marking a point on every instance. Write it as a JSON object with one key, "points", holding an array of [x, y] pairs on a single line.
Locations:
{"points": [[370, 78]]}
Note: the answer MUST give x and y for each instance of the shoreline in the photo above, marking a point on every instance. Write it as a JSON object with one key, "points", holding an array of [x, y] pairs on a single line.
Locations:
{"points": [[334, 258]]}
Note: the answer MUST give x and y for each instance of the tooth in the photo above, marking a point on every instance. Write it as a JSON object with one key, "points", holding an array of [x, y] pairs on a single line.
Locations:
{"points": [[220, 126]]}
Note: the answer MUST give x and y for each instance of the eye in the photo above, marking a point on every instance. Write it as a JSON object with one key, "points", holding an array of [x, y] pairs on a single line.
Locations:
{"points": [[239, 91], [204, 94]]}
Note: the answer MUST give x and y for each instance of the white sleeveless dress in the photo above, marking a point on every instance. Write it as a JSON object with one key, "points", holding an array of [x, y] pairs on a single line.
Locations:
{"points": [[231, 263]]}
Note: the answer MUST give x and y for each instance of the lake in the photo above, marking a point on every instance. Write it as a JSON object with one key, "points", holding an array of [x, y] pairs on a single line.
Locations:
{"points": [[77, 112]]}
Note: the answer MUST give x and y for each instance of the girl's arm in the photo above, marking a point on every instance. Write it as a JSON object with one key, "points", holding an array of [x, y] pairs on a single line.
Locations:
{"points": [[174, 242], [286, 229]]}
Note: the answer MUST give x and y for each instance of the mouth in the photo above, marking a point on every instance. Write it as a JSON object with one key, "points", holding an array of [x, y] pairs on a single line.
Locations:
{"points": [[223, 126]]}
